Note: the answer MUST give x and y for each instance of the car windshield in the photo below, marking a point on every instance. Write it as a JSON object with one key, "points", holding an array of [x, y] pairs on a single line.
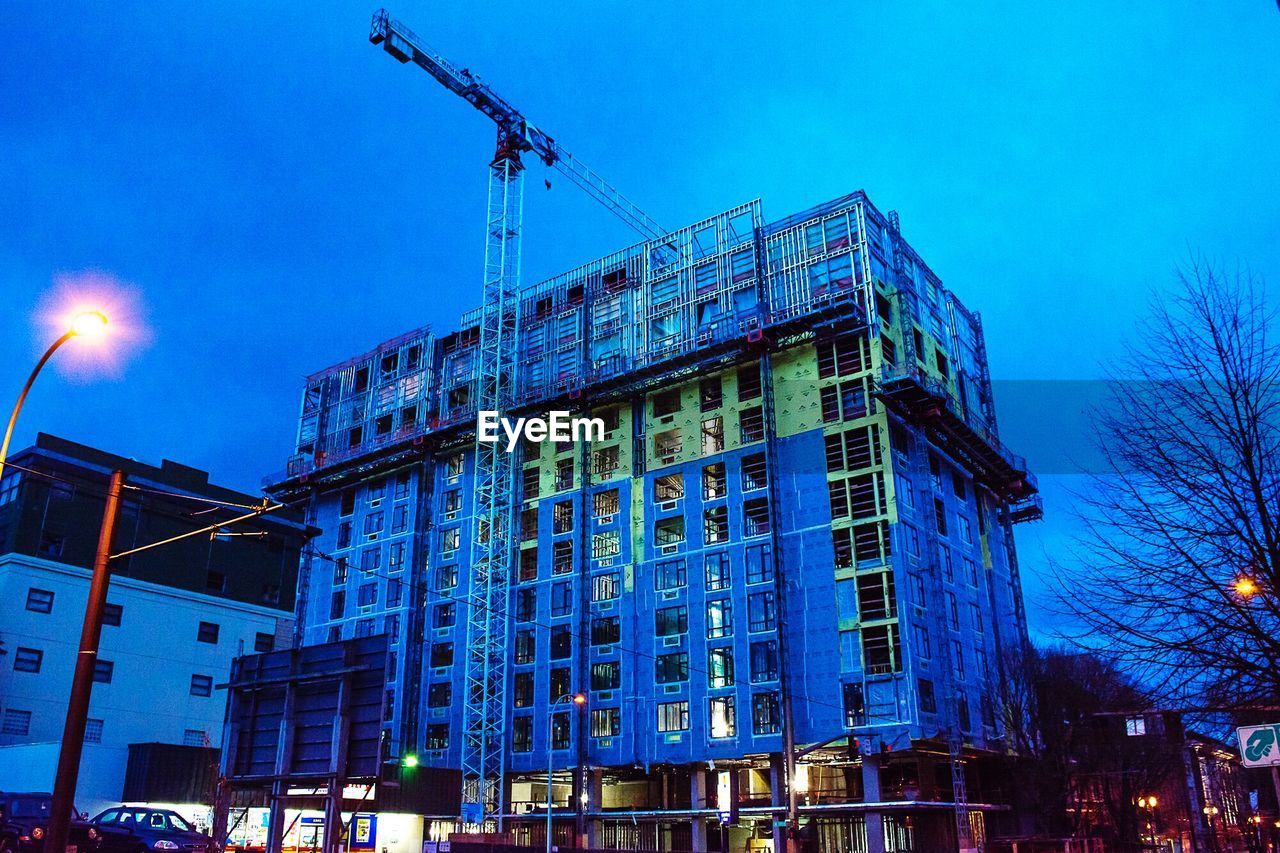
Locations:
{"points": [[29, 807], [179, 822]]}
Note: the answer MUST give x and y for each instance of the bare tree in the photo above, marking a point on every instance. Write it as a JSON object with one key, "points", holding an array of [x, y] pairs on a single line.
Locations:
{"points": [[1185, 515]]}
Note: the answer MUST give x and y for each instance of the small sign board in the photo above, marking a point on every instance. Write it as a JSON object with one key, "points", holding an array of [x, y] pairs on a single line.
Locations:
{"points": [[1260, 745]]}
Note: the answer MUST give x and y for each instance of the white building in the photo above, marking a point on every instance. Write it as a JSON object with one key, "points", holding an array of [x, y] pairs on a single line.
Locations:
{"points": [[162, 653]]}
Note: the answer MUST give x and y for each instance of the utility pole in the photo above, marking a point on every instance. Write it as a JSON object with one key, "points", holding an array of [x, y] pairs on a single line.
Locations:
{"points": [[64, 784]]}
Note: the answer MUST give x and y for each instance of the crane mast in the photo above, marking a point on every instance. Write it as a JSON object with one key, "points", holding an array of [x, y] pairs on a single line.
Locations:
{"points": [[484, 695]]}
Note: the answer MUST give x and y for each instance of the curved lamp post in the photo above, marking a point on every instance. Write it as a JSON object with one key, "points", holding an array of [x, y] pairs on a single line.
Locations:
{"points": [[90, 325]]}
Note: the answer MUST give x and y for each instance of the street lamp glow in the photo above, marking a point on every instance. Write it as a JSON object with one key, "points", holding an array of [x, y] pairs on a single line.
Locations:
{"points": [[410, 760], [1245, 586], [91, 325]]}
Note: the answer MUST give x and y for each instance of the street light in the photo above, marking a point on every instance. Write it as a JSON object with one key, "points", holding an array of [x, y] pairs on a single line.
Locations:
{"points": [[88, 325], [1149, 803], [1245, 586], [578, 699]]}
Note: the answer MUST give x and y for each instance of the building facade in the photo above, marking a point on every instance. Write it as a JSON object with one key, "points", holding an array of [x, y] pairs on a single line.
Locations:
{"points": [[175, 618], [784, 580]]}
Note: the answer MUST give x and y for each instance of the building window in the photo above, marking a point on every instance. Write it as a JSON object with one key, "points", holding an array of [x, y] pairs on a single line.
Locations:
{"points": [[672, 668], [395, 556], [27, 660], [112, 614], [605, 587], [712, 435], [754, 472], [562, 557], [263, 642], [1135, 726], [673, 716], [441, 654], [606, 722], [669, 531], [39, 600], [928, 701], [759, 559], [447, 576], [606, 630], [564, 474], [605, 503], [391, 627], [670, 574], [16, 722], [201, 685], [445, 615], [522, 690], [710, 394], [715, 525], [606, 675], [751, 424], [755, 517], [561, 598], [215, 582], [668, 487], [437, 736], [103, 671], [722, 719], [717, 570], [561, 642], [440, 695], [606, 544], [720, 667], [92, 731], [364, 628], [719, 619], [764, 661], [761, 612], [670, 621], [344, 535], [526, 646], [559, 684], [195, 737], [748, 382], [395, 591], [560, 730], [207, 633], [337, 604], [855, 709], [605, 460], [522, 734], [526, 604], [562, 517], [766, 717], [714, 482], [529, 564], [367, 595]]}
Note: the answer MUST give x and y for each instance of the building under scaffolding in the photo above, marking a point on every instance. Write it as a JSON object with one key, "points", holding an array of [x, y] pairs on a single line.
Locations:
{"points": [[785, 581]]}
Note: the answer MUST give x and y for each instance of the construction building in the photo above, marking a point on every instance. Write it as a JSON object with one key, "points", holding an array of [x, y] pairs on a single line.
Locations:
{"points": [[784, 582]]}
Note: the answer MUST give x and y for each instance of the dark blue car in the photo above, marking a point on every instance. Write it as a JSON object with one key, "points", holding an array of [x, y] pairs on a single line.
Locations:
{"points": [[135, 829]]}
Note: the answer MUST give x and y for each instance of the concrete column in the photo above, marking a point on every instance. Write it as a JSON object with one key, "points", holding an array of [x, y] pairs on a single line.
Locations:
{"points": [[595, 795], [871, 794], [698, 800]]}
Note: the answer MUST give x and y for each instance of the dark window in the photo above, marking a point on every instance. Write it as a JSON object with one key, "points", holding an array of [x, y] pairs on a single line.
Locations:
{"points": [[445, 615], [526, 604], [112, 614], [766, 718], [522, 734], [669, 621], [764, 661], [367, 595], [754, 472], [522, 693], [559, 683], [605, 630], [526, 646], [27, 660], [440, 695], [671, 668], [263, 642], [561, 599], [928, 702], [761, 612], [710, 395], [437, 736], [561, 642], [103, 670], [748, 382], [669, 574], [717, 571], [39, 600], [560, 731], [207, 633], [759, 560], [337, 604], [441, 654], [855, 711], [201, 685]]}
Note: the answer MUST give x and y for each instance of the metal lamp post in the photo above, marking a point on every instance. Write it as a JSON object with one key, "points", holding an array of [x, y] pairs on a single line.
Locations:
{"points": [[578, 699], [90, 325]]}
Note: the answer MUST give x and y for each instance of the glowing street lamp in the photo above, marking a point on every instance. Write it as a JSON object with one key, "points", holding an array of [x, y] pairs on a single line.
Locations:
{"points": [[1245, 586], [90, 326]]}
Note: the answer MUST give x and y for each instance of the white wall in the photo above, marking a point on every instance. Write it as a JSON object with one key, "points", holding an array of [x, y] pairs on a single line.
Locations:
{"points": [[154, 650]]}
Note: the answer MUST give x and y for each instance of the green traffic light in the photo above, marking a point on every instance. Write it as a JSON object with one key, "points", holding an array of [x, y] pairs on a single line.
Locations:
{"points": [[409, 760]]}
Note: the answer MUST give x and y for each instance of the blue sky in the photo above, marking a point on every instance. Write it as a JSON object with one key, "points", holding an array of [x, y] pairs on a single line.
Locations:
{"points": [[283, 195]]}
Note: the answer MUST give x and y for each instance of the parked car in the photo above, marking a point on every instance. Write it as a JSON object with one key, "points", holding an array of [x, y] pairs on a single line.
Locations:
{"points": [[135, 829], [24, 819]]}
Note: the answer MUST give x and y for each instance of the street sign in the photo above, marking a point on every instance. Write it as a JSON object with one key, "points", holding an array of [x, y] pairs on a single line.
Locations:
{"points": [[1260, 745]]}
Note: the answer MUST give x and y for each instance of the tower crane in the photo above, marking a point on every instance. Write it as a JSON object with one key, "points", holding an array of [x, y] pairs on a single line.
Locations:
{"points": [[484, 715]]}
